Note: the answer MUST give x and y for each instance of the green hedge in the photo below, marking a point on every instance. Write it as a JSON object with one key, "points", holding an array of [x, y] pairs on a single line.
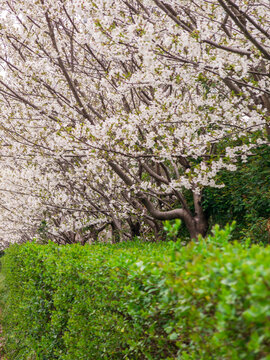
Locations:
{"points": [[208, 300]]}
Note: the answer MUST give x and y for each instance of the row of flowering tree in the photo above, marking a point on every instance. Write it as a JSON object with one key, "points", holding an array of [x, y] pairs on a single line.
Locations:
{"points": [[112, 111]]}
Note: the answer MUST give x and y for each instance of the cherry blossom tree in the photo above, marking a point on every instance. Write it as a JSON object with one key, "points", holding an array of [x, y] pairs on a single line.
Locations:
{"points": [[112, 111]]}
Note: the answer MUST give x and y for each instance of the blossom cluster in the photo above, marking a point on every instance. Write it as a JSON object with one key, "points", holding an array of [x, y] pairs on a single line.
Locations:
{"points": [[111, 110]]}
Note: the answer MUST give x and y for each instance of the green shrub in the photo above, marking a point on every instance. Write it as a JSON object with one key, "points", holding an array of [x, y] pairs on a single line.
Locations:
{"points": [[245, 198], [208, 300]]}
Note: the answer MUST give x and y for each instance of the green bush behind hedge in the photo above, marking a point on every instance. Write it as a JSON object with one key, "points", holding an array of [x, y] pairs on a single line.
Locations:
{"points": [[245, 197], [208, 300]]}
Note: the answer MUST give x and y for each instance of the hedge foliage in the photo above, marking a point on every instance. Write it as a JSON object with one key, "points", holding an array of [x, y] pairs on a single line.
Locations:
{"points": [[208, 300]]}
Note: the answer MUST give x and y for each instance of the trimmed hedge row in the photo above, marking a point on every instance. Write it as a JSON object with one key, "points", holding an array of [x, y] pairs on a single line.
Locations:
{"points": [[208, 300]]}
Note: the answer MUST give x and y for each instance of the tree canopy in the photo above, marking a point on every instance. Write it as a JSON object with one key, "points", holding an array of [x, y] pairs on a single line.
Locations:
{"points": [[112, 109]]}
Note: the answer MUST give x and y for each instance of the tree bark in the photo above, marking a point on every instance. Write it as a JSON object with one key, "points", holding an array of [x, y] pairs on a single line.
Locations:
{"points": [[196, 225]]}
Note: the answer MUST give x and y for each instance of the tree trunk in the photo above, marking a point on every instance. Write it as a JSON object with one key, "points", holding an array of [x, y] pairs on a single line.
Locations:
{"points": [[116, 231], [196, 225], [135, 228]]}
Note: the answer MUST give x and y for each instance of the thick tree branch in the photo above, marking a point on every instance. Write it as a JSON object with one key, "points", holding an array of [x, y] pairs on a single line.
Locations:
{"points": [[242, 27]]}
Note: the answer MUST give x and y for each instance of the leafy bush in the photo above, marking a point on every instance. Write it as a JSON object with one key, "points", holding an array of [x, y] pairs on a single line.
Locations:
{"points": [[245, 198], [208, 300]]}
